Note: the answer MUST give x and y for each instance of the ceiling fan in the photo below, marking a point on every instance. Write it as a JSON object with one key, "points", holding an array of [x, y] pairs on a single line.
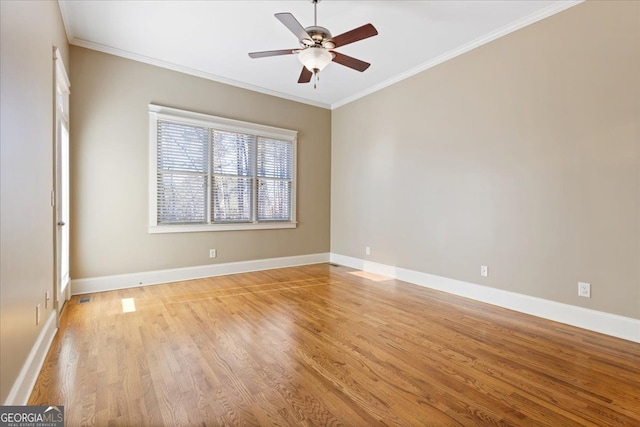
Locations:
{"points": [[317, 45]]}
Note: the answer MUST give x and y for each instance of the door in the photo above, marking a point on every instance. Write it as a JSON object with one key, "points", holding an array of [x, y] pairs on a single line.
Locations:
{"points": [[61, 291]]}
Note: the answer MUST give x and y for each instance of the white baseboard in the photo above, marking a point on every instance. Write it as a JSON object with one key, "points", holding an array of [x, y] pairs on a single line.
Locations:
{"points": [[23, 386], [606, 323], [122, 281]]}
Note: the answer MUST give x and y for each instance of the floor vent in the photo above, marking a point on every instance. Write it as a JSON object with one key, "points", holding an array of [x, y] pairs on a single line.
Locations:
{"points": [[85, 299]]}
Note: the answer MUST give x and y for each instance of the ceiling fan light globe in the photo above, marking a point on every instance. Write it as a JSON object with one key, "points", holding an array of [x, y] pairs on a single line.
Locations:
{"points": [[315, 58], [328, 44]]}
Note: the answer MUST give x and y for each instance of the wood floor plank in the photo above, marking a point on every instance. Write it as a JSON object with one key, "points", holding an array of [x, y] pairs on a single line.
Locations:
{"points": [[319, 345]]}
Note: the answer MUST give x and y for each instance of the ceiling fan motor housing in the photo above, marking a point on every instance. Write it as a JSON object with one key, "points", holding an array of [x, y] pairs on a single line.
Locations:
{"points": [[320, 36]]}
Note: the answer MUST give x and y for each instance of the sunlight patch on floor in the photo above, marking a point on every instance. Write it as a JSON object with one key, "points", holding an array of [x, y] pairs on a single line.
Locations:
{"points": [[370, 276], [128, 305]]}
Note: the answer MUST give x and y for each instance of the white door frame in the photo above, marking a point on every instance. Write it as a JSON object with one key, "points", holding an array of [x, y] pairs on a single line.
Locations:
{"points": [[60, 195]]}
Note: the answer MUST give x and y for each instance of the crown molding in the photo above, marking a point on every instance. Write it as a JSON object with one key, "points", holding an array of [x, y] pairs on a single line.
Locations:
{"points": [[191, 71], [514, 26], [501, 32]]}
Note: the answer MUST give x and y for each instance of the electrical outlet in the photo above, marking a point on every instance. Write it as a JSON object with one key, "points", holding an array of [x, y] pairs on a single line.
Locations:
{"points": [[213, 253], [46, 299], [484, 271], [37, 314], [584, 289], [367, 250]]}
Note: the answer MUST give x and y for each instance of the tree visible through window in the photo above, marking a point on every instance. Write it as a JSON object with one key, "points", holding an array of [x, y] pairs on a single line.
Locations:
{"points": [[208, 175]]}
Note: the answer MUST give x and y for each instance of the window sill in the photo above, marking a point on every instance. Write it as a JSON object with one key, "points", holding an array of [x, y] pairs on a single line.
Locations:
{"points": [[159, 229]]}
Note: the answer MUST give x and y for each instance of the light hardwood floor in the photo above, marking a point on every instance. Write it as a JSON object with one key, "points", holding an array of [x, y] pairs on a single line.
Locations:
{"points": [[319, 345]]}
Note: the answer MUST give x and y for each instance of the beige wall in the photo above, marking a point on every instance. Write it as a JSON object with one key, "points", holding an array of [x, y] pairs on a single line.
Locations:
{"points": [[523, 155], [109, 168], [28, 31]]}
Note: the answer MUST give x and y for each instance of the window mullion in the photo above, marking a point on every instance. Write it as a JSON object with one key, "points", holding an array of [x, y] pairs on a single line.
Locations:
{"points": [[210, 177], [254, 177]]}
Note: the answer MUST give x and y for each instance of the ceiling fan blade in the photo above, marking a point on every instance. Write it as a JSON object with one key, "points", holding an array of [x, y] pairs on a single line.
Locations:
{"points": [[355, 35], [293, 25], [350, 62], [305, 76], [267, 53]]}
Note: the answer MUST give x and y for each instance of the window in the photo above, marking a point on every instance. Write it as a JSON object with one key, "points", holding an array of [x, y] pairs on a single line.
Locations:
{"points": [[212, 173]]}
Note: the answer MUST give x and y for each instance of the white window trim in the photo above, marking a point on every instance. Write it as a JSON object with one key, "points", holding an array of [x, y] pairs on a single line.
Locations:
{"points": [[158, 112]]}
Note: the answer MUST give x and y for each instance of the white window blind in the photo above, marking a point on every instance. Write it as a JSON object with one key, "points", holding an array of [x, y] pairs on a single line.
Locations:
{"points": [[182, 173], [233, 177], [275, 176], [214, 173]]}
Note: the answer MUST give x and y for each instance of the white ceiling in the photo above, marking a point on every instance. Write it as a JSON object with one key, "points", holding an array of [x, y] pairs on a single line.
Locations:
{"points": [[211, 39]]}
